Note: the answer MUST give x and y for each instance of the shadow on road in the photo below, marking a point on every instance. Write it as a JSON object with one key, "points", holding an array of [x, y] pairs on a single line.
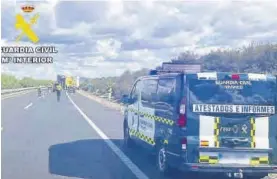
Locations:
{"points": [[93, 159], [86, 159]]}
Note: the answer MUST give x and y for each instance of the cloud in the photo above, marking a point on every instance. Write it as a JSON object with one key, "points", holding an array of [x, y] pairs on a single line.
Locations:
{"points": [[105, 38], [108, 47]]}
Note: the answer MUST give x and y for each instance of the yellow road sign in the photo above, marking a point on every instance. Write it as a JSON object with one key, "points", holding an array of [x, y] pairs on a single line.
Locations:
{"points": [[26, 27]]}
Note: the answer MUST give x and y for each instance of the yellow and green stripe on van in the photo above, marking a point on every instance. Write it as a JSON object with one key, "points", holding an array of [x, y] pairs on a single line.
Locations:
{"points": [[259, 160], [153, 117], [143, 137], [208, 159], [252, 132], [216, 131], [215, 160]]}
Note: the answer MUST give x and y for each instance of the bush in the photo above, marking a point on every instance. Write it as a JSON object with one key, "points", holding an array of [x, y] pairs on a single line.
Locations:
{"points": [[9, 82], [256, 58]]}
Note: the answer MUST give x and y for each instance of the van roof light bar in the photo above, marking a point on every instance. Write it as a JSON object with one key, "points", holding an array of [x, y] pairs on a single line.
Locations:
{"points": [[153, 72], [180, 68]]}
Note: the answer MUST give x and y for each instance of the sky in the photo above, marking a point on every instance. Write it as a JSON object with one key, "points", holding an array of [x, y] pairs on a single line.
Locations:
{"points": [[105, 38]]}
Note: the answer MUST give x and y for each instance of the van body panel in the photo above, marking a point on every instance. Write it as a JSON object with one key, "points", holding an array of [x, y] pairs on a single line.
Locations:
{"points": [[229, 168], [220, 140], [228, 132], [167, 107]]}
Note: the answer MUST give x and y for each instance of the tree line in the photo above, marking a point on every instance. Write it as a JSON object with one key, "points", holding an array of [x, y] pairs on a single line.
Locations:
{"points": [[255, 58], [9, 82]]}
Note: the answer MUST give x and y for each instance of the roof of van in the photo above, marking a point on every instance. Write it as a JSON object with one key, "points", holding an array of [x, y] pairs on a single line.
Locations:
{"points": [[164, 74], [216, 75]]}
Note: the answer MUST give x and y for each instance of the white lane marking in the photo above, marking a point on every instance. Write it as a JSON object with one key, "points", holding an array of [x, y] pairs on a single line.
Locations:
{"points": [[135, 170], [29, 105]]}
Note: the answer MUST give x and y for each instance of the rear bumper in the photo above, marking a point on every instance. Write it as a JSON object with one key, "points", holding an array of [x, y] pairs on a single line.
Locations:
{"points": [[224, 168]]}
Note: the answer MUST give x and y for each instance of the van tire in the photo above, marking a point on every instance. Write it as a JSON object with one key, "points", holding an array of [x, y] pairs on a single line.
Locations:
{"points": [[128, 142], [161, 160]]}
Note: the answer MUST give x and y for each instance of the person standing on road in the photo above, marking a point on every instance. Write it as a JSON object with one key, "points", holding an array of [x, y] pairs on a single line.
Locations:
{"points": [[39, 91], [58, 89]]}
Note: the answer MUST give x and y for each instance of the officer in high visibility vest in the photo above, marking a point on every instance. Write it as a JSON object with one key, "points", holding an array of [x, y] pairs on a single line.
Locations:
{"points": [[59, 89]]}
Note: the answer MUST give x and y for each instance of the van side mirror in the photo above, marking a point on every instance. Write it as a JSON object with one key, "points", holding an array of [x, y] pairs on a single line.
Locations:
{"points": [[125, 99]]}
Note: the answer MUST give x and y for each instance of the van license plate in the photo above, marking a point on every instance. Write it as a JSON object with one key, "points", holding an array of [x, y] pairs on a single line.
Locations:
{"points": [[234, 158]]}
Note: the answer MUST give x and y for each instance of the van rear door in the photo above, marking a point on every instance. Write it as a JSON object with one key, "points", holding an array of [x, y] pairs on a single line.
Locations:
{"points": [[234, 117]]}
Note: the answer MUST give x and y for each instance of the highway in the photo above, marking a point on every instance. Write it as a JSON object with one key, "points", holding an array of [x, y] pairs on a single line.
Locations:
{"points": [[73, 138]]}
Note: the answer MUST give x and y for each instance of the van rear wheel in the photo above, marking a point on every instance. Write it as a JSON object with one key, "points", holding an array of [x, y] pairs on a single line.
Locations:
{"points": [[162, 160], [128, 143]]}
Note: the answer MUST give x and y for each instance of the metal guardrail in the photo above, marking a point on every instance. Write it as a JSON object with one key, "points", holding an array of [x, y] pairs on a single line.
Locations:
{"points": [[8, 91]]}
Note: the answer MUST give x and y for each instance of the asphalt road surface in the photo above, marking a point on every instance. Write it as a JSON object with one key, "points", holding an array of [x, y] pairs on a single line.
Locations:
{"points": [[73, 138]]}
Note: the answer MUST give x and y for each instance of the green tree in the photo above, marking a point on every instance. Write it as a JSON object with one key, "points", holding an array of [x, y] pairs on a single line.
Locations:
{"points": [[10, 81], [255, 58]]}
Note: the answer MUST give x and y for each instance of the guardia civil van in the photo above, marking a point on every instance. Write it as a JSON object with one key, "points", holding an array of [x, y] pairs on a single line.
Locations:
{"points": [[205, 121]]}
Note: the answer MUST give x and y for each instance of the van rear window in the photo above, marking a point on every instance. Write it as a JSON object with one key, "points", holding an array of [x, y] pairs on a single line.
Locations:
{"points": [[231, 92]]}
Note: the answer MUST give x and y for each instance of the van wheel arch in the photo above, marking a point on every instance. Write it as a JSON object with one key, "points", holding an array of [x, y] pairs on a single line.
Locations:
{"points": [[128, 142], [161, 158], [125, 122]]}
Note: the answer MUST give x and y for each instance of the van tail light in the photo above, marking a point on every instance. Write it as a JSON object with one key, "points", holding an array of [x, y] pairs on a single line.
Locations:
{"points": [[182, 121], [184, 143]]}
